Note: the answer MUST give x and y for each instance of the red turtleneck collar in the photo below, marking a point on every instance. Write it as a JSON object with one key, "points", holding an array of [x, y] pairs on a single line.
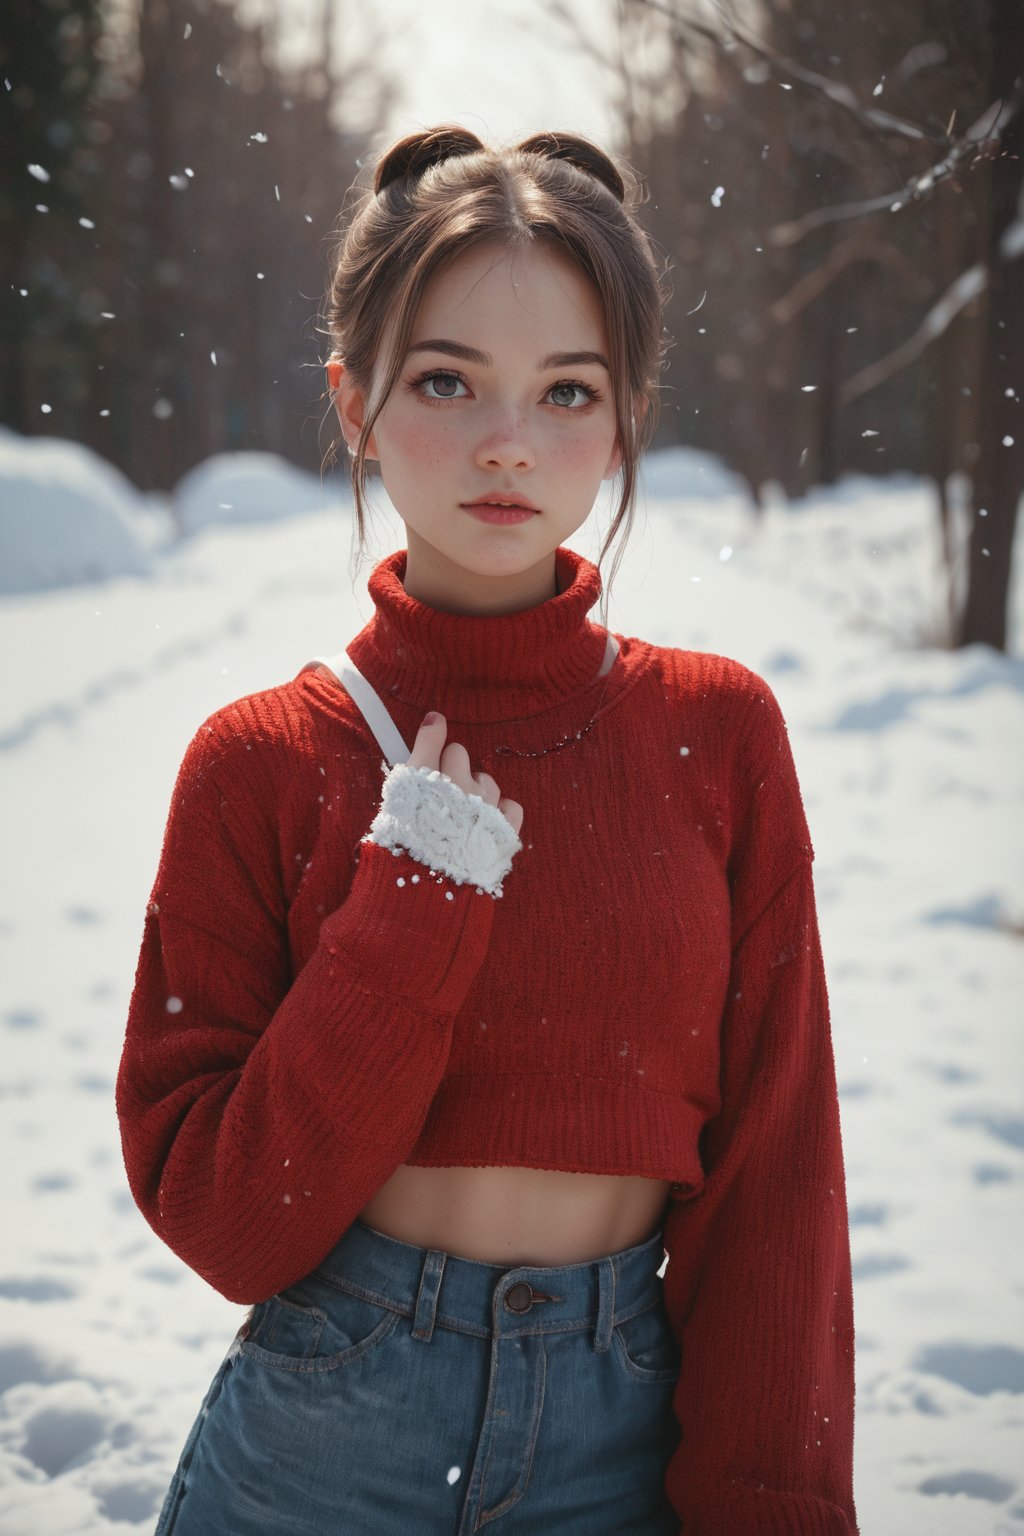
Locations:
{"points": [[492, 668]]}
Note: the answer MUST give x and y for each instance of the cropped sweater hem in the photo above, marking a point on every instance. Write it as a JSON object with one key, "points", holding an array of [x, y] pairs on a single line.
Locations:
{"points": [[476, 1120]]}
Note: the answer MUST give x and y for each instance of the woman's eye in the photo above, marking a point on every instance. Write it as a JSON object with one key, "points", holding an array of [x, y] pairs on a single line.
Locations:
{"points": [[570, 394], [443, 386]]}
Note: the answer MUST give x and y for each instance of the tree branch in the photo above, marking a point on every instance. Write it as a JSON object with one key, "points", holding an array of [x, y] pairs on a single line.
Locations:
{"points": [[558, 10], [840, 95], [956, 297], [981, 136], [856, 247]]}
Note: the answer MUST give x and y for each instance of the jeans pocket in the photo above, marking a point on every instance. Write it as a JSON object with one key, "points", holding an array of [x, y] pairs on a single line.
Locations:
{"points": [[646, 1347], [292, 1335]]}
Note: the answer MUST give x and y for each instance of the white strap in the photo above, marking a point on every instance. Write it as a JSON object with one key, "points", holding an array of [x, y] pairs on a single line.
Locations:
{"points": [[388, 737], [611, 650]]}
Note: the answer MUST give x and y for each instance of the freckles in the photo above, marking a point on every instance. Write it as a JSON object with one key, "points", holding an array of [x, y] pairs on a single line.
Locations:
{"points": [[420, 442], [413, 438], [579, 450]]}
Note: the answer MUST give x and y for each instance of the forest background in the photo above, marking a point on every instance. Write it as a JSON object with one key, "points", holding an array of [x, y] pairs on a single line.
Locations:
{"points": [[836, 193]]}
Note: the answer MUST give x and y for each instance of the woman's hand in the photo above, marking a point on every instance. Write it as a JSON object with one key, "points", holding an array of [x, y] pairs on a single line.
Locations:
{"points": [[429, 751]]}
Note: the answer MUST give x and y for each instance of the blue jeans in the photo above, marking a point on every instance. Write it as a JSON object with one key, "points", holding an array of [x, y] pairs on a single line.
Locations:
{"points": [[402, 1391]]}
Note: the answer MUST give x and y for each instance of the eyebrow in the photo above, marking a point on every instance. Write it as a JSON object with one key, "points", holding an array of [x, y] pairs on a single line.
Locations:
{"points": [[484, 360]]}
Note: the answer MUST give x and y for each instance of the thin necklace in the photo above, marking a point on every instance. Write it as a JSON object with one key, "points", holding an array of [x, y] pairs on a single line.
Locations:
{"points": [[572, 737]]}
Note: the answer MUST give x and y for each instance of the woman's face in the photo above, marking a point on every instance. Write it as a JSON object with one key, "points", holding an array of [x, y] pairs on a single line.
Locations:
{"points": [[504, 395]]}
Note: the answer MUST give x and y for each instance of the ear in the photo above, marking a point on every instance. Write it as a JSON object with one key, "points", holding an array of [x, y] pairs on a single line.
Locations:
{"points": [[350, 404]]}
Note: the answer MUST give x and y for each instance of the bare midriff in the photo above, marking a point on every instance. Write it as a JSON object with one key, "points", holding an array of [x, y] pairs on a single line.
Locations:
{"points": [[517, 1215]]}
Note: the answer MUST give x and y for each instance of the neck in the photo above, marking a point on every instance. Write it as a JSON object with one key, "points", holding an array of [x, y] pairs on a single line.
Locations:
{"points": [[438, 582]]}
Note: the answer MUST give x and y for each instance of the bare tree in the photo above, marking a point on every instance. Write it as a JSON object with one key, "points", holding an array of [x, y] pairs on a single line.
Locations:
{"points": [[49, 67], [181, 322], [836, 194]]}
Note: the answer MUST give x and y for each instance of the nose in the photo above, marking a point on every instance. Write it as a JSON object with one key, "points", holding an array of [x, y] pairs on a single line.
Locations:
{"points": [[506, 444]]}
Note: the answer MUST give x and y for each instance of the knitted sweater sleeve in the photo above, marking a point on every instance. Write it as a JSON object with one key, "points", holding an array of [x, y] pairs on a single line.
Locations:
{"points": [[259, 1111], [758, 1279]]}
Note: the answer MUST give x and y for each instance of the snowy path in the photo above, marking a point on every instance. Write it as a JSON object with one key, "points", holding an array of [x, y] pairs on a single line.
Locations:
{"points": [[912, 764]]}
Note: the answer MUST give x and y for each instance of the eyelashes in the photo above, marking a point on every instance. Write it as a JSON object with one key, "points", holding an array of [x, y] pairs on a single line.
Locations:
{"points": [[451, 375], [592, 394], [431, 377]]}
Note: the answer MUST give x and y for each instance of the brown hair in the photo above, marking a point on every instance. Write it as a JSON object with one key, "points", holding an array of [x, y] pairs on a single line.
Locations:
{"points": [[439, 192]]}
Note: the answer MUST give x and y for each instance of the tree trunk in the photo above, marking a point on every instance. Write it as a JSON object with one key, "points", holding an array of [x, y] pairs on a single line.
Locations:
{"points": [[998, 480], [998, 472]]}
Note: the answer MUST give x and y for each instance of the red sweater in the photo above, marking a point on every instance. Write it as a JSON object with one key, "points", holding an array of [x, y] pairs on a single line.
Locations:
{"points": [[647, 997]]}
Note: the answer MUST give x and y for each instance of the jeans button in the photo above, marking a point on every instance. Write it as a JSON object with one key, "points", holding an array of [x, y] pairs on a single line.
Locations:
{"points": [[519, 1298]]}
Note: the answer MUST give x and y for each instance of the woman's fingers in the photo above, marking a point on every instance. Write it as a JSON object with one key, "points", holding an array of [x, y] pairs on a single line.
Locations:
{"points": [[430, 750], [513, 814], [455, 763], [486, 788], [429, 743]]}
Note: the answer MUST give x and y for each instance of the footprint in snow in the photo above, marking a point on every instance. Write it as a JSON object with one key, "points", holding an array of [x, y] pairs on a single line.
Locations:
{"points": [[1001, 1125], [63, 1432], [978, 1368], [87, 916], [856, 1089], [949, 1072], [991, 1173], [94, 1082], [874, 1264], [50, 1183], [20, 1363], [131, 1502], [976, 1485], [868, 1215], [22, 1018], [37, 1288], [163, 1273]]}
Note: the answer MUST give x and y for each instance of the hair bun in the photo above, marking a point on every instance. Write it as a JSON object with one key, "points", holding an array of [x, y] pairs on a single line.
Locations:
{"points": [[579, 152], [417, 153]]}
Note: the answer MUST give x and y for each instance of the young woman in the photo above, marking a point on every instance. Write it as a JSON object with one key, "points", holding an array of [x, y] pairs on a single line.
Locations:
{"points": [[436, 1064]]}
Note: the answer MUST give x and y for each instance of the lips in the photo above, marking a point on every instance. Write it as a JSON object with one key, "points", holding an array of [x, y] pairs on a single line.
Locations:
{"points": [[491, 512], [499, 501]]}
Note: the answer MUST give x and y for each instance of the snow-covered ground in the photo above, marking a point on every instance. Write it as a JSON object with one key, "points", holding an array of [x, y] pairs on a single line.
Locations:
{"points": [[912, 762]]}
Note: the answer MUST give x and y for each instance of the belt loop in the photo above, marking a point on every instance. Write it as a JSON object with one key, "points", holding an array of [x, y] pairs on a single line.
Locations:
{"points": [[605, 1305], [426, 1299]]}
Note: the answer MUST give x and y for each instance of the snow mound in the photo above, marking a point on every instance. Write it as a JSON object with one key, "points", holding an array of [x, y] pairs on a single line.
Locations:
{"points": [[857, 490], [672, 473], [66, 516], [245, 488]]}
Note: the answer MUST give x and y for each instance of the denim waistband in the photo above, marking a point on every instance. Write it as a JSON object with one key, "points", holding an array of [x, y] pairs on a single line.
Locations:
{"points": [[439, 1289]]}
